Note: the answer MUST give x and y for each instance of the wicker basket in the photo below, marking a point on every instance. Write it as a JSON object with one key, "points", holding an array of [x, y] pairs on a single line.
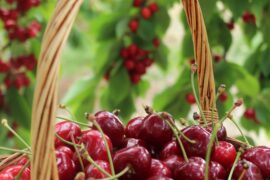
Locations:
{"points": [[43, 161]]}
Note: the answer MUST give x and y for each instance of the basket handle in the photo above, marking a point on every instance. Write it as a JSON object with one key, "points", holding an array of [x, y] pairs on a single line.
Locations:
{"points": [[203, 59], [43, 162]]}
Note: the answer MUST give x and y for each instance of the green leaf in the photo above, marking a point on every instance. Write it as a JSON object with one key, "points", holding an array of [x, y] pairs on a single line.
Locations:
{"points": [[265, 62], [237, 7], [250, 140], [19, 107], [145, 30], [208, 8], [160, 57], [187, 46], [161, 20], [121, 27], [141, 88]]}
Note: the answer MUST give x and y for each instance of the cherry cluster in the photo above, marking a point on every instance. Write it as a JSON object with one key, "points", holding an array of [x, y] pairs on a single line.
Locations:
{"points": [[137, 60], [149, 147], [15, 69]]}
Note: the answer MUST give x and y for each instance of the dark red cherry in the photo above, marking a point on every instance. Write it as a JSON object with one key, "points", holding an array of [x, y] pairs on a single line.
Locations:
{"points": [[250, 113], [217, 171], [137, 157], [111, 126], [201, 138], [65, 166], [23, 160], [224, 154], [158, 168], [159, 178], [153, 7], [260, 156], [66, 150], [133, 25], [190, 98], [129, 142], [137, 3], [171, 148], [66, 130], [12, 171], [92, 172], [146, 13], [133, 127], [221, 134], [95, 145], [223, 97], [173, 162], [155, 130], [193, 169], [250, 170]]}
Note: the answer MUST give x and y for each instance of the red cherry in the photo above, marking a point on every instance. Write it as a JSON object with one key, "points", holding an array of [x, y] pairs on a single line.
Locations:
{"points": [[8, 81], [230, 25], [91, 172], [95, 145], [156, 42], [137, 3], [158, 168], [250, 113], [224, 154], [10, 24], [12, 171], [248, 17], [133, 127], [251, 171], [140, 68], [133, 25], [217, 58], [132, 49], [155, 130], [23, 161], [129, 64], [171, 148], [130, 142], [201, 138], [65, 165], [217, 171], [223, 97], [33, 29], [66, 150], [159, 178], [146, 13], [153, 7], [112, 126], [10, 1], [4, 67], [173, 162], [221, 134], [260, 156], [148, 62], [66, 130], [135, 78], [137, 157], [190, 98], [124, 53]]}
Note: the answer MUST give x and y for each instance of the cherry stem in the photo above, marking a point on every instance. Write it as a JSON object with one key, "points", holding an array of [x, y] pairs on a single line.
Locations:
{"points": [[242, 174], [78, 153], [65, 141], [241, 132], [181, 133], [209, 149], [18, 177], [62, 106], [196, 97], [5, 123], [179, 141], [77, 122], [88, 158], [15, 150], [124, 171], [234, 164], [93, 120]]}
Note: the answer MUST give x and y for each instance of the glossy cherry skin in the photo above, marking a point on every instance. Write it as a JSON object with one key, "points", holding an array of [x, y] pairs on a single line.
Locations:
{"points": [[133, 127], [217, 171], [252, 173], [23, 160], [92, 172], [171, 148], [221, 134], [173, 162], [129, 142], [155, 130], [66, 150], [224, 154], [260, 156], [137, 157], [95, 145], [66, 130], [65, 165], [11, 172], [193, 169], [159, 178], [158, 168], [201, 138], [112, 126]]}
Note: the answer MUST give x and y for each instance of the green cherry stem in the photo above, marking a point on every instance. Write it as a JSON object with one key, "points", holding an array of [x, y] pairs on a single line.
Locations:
{"points": [[77, 122], [63, 107], [18, 177], [5, 123], [179, 141], [92, 119], [209, 149], [124, 171], [77, 152], [242, 174], [65, 141], [15, 150], [234, 164], [241, 132], [196, 97]]}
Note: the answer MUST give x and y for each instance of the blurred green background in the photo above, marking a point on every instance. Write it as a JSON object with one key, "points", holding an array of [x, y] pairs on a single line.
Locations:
{"points": [[94, 75]]}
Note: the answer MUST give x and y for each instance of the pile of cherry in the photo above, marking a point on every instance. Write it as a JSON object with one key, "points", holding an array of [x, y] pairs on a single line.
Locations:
{"points": [[146, 148]]}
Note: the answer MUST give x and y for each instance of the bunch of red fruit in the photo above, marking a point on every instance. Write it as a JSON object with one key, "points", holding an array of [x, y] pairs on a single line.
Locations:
{"points": [[147, 148]]}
